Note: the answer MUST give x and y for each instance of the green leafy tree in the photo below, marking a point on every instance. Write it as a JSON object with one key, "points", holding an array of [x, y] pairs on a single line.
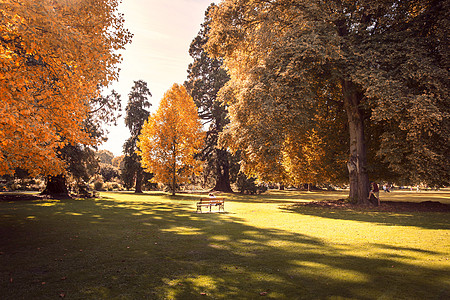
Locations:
{"points": [[205, 78], [384, 64], [105, 156], [118, 161], [136, 115], [109, 172]]}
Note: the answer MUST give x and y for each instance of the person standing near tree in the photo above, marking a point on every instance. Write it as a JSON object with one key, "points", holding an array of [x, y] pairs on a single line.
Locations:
{"points": [[374, 190]]}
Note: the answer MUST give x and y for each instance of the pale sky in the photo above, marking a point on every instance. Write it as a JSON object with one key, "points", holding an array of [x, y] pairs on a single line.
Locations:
{"points": [[159, 54]]}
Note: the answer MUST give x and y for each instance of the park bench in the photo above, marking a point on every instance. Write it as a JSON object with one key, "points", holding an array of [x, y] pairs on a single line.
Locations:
{"points": [[210, 202]]}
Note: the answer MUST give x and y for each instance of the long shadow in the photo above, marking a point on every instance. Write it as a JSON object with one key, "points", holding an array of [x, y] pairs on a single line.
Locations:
{"points": [[162, 250], [275, 196], [427, 220]]}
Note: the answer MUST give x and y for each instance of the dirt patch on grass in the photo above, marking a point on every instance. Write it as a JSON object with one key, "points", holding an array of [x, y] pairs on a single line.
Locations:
{"points": [[387, 206]]}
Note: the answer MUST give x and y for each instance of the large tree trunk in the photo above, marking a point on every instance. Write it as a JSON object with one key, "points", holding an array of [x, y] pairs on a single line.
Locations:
{"points": [[357, 163], [139, 177], [222, 172], [56, 187]]}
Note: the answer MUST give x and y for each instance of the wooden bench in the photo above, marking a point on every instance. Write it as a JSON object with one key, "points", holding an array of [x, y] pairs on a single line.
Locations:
{"points": [[210, 202]]}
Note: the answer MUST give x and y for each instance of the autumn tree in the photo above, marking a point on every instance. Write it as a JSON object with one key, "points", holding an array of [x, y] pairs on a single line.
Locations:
{"points": [[53, 59], [384, 64], [205, 78], [80, 160], [136, 115], [170, 139]]}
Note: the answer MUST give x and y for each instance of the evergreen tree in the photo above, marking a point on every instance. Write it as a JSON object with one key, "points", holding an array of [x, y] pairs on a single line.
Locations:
{"points": [[136, 116], [205, 78]]}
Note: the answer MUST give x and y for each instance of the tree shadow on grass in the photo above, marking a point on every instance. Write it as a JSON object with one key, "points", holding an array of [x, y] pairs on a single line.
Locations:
{"points": [[427, 220], [161, 250], [284, 196]]}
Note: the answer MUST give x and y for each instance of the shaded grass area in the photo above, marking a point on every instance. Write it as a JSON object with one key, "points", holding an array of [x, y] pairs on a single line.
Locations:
{"points": [[153, 246]]}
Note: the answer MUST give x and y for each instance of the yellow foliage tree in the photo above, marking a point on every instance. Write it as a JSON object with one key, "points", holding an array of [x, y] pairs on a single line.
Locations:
{"points": [[170, 139], [53, 57], [302, 158]]}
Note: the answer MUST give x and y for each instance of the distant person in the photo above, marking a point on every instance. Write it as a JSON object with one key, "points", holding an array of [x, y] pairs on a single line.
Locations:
{"points": [[211, 195], [375, 191]]}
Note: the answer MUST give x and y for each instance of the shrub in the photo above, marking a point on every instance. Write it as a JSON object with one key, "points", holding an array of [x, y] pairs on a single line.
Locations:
{"points": [[247, 185]]}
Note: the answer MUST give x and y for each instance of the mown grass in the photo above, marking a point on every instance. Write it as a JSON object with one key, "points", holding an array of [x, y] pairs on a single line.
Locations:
{"points": [[153, 246]]}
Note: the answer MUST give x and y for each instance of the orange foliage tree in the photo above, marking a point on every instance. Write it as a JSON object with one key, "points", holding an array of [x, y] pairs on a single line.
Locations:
{"points": [[53, 57], [170, 139]]}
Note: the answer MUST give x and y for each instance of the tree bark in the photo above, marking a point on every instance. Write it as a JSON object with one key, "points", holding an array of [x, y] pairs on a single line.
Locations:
{"points": [[357, 163], [174, 180], [174, 169], [139, 177], [222, 172], [56, 187]]}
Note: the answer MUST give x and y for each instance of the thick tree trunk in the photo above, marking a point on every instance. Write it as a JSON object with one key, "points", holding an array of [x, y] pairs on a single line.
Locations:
{"points": [[56, 187], [222, 172], [139, 177], [357, 163]]}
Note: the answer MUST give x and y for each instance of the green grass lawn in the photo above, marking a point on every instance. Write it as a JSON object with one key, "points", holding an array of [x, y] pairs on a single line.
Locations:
{"points": [[154, 246]]}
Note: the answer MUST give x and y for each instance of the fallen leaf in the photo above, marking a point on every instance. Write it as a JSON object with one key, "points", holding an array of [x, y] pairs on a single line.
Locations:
{"points": [[63, 278], [203, 294], [263, 294]]}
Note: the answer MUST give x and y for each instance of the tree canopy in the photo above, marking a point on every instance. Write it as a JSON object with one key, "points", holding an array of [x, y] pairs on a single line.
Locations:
{"points": [[359, 69], [104, 156], [170, 139], [54, 56]]}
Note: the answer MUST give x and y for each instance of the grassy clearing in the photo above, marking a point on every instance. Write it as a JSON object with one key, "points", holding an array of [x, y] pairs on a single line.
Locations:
{"points": [[153, 246]]}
